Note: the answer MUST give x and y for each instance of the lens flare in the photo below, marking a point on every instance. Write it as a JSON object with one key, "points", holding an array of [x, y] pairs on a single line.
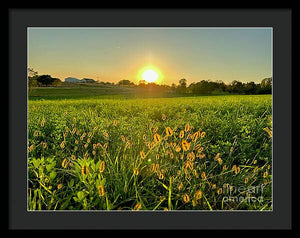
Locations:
{"points": [[150, 75]]}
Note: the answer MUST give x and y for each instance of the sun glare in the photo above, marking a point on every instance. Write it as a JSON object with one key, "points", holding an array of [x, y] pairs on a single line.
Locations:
{"points": [[150, 75]]}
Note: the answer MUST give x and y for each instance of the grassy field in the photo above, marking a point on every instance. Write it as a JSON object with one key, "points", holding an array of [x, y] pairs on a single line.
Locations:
{"points": [[182, 153], [86, 90]]}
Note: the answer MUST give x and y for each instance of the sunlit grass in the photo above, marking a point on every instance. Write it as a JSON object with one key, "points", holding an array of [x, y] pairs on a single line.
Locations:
{"points": [[150, 154]]}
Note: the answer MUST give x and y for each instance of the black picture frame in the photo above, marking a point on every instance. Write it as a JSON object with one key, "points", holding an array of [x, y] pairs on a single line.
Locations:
{"points": [[281, 22]]}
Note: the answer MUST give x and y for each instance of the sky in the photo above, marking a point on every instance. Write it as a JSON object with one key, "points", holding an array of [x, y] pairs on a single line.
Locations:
{"points": [[113, 54]]}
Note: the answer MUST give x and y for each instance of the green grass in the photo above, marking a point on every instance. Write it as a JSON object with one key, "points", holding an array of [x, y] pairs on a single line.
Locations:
{"points": [[84, 127], [77, 92], [92, 91]]}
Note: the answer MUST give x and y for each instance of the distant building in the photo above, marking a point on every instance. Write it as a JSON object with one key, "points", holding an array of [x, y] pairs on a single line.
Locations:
{"points": [[86, 80], [72, 80], [76, 80]]}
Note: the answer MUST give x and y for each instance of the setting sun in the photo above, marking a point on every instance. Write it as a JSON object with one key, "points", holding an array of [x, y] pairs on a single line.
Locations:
{"points": [[150, 75]]}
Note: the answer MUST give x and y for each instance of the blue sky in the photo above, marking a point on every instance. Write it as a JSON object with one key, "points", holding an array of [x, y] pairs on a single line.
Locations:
{"points": [[112, 54]]}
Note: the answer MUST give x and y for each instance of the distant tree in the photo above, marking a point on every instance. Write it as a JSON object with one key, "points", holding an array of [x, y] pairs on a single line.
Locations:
{"points": [[202, 87], [56, 82], [45, 79], [221, 85], [32, 79], [142, 83], [182, 82], [125, 82], [266, 86], [31, 73], [173, 87], [250, 88], [32, 82], [237, 86], [182, 86]]}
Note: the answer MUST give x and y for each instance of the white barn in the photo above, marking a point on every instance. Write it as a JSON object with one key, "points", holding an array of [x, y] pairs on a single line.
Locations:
{"points": [[72, 80]]}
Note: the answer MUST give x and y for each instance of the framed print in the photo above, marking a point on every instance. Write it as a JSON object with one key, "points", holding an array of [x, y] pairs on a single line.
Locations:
{"points": [[150, 119]]}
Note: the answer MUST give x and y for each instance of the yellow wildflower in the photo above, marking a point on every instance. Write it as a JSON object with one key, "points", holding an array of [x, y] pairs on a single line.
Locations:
{"points": [[200, 150], [185, 145], [43, 123], [195, 136], [105, 145], [44, 145], [101, 190], [169, 131], [153, 167], [197, 147], [102, 167], [106, 135], [177, 148], [84, 170], [135, 171], [115, 122], [181, 134], [267, 129], [186, 198], [198, 194], [59, 186], [203, 175], [64, 163], [189, 165], [191, 156], [203, 134], [137, 206], [180, 186], [157, 138], [142, 154], [62, 144], [220, 161], [187, 127], [161, 175]]}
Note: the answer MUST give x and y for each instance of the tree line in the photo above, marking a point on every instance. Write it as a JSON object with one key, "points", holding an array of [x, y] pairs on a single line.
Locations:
{"points": [[219, 87], [35, 80], [207, 87], [202, 87]]}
